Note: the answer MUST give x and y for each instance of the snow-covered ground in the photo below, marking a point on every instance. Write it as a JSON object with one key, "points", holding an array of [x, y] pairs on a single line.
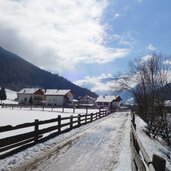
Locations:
{"points": [[11, 96], [15, 116], [101, 145], [153, 146]]}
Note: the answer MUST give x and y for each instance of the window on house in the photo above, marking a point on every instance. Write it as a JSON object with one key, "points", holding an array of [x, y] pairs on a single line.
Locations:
{"points": [[37, 98]]}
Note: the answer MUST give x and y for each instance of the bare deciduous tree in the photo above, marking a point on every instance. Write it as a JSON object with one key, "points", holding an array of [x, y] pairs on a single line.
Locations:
{"points": [[148, 78]]}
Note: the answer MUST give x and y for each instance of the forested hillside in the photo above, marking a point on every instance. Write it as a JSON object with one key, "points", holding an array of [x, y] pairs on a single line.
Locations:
{"points": [[16, 73]]}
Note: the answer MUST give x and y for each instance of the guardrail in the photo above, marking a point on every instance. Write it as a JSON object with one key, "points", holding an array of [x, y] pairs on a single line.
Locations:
{"points": [[13, 144], [140, 159]]}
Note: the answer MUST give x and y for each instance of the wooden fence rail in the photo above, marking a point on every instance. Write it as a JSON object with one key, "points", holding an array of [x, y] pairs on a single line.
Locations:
{"points": [[140, 159], [16, 143], [44, 107]]}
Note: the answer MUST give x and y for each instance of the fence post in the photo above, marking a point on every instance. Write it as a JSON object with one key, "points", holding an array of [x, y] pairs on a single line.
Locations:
{"points": [[52, 109], [62, 109], [96, 115], [79, 120], [71, 122], [85, 119], [91, 117], [73, 109], [86, 110], [59, 123], [100, 115], [159, 163], [36, 130]]}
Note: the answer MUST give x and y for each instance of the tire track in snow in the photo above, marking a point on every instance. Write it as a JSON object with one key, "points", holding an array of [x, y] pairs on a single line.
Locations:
{"points": [[117, 144]]}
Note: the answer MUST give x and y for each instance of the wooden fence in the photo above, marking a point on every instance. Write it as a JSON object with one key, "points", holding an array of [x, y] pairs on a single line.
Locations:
{"points": [[60, 109], [140, 159], [13, 144]]}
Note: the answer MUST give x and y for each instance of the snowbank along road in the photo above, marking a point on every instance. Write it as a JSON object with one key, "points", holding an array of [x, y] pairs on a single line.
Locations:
{"points": [[101, 145]]}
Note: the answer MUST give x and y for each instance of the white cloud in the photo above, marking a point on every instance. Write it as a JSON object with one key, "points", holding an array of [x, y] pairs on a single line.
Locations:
{"points": [[116, 15], [56, 34], [146, 57], [101, 84], [124, 40], [108, 84], [151, 47]]}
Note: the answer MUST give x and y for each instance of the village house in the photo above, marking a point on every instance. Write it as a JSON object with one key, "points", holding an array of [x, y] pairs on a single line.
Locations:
{"points": [[30, 95], [108, 102], [55, 97], [86, 101]]}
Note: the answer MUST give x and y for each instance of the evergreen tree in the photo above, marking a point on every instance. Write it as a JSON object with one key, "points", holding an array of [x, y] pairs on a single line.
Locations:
{"points": [[31, 101], [3, 95]]}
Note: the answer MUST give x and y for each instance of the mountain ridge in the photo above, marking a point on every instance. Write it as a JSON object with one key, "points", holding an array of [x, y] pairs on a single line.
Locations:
{"points": [[17, 73]]}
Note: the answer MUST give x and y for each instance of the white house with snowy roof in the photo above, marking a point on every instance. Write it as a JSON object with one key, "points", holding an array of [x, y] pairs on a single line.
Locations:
{"points": [[55, 97], [108, 101], [25, 94], [86, 100]]}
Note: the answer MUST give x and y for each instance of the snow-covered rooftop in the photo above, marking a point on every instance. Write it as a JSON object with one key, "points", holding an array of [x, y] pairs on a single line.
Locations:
{"points": [[56, 92], [106, 98], [28, 90], [88, 97]]}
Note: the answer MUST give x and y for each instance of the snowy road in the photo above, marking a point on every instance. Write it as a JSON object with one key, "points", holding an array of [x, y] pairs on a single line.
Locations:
{"points": [[103, 145]]}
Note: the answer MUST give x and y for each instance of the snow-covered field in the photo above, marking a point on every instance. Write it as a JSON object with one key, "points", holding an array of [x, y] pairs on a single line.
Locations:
{"points": [[15, 116], [18, 116], [101, 145]]}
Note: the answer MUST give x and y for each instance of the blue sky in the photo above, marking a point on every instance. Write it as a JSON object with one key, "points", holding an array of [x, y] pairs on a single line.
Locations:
{"points": [[143, 25], [85, 41]]}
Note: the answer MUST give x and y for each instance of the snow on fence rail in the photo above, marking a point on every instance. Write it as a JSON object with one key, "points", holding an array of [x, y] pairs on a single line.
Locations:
{"points": [[140, 159], [13, 144]]}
